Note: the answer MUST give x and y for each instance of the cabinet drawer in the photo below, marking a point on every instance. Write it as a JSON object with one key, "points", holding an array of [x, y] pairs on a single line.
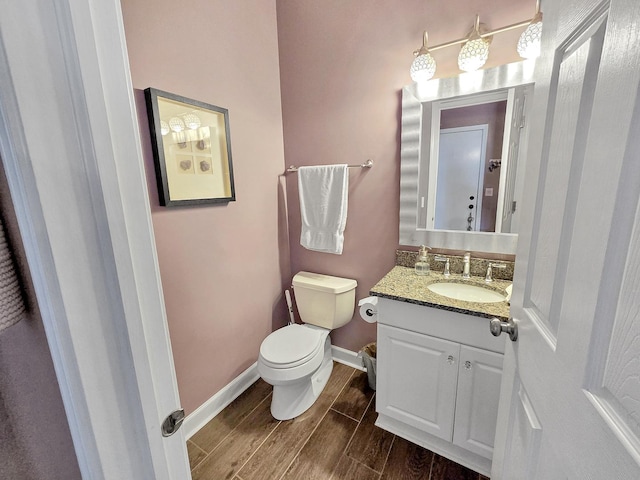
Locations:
{"points": [[453, 326]]}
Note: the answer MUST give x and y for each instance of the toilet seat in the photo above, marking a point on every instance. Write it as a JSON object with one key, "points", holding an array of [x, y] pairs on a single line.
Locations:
{"points": [[292, 346]]}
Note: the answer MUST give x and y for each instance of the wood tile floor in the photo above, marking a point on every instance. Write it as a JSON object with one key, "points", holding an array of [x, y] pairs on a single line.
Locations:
{"points": [[335, 439]]}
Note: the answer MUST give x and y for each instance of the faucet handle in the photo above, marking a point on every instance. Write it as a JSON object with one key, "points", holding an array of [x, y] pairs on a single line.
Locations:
{"points": [[440, 258], [490, 267]]}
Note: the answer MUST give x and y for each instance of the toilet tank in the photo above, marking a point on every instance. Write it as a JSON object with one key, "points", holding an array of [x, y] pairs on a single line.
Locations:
{"points": [[323, 300]]}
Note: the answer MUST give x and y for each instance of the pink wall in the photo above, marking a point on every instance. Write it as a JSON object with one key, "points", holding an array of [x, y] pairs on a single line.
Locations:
{"points": [[221, 266], [342, 67]]}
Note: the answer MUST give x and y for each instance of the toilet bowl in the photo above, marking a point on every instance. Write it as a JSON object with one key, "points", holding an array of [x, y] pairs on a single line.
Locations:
{"points": [[296, 359], [298, 374]]}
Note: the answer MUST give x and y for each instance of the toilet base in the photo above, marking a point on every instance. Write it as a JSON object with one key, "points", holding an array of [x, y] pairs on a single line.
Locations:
{"points": [[293, 399]]}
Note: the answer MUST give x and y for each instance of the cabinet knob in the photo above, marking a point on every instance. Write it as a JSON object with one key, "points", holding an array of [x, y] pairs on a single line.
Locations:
{"points": [[467, 365], [451, 359]]}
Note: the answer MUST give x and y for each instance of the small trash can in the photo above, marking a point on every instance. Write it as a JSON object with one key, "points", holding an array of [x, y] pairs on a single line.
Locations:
{"points": [[368, 355]]}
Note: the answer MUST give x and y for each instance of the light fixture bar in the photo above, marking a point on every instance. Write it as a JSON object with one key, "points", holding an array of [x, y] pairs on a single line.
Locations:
{"points": [[482, 35], [475, 47]]}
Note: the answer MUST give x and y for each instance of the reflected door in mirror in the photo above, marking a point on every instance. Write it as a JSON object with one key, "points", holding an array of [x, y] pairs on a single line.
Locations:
{"points": [[460, 178]]}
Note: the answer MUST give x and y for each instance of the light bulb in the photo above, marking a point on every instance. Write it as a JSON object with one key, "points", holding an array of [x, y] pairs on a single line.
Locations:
{"points": [[176, 124], [529, 42], [473, 55], [423, 68], [192, 121], [164, 127], [475, 51]]}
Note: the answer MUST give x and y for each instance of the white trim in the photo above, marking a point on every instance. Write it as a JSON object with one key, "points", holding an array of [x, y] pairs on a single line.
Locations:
{"points": [[212, 407], [347, 357]]}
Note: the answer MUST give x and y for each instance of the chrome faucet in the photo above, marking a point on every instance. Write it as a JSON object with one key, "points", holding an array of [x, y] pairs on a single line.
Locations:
{"points": [[440, 258], [490, 267], [467, 264]]}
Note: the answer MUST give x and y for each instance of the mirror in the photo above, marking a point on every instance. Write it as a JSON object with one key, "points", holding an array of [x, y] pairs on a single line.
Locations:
{"points": [[473, 127]]}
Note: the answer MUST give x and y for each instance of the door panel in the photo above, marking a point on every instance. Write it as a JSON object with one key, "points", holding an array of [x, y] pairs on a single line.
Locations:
{"points": [[574, 368], [479, 377], [571, 99], [525, 433], [615, 356]]}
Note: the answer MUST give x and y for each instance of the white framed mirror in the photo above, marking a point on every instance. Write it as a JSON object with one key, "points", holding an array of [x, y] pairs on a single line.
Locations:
{"points": [[473, 127]]}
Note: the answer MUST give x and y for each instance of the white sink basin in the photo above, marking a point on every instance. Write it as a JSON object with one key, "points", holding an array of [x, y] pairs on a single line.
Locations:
{"points": [[466, 292]]}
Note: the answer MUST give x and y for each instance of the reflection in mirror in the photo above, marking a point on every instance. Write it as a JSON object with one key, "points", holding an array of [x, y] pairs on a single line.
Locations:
{"points": [[476, 160], [462, 153]]}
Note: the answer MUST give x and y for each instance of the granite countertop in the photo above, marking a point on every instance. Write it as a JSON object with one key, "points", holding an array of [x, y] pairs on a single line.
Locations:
{"points": [[402, 284]]}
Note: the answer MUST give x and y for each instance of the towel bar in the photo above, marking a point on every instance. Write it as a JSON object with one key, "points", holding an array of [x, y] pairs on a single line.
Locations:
{"points": [[367, 164]]}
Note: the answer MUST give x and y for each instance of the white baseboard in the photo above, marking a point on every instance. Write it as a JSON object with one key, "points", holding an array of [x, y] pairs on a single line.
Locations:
{"points": [[212, 407], [209, 409], [347, 357]]}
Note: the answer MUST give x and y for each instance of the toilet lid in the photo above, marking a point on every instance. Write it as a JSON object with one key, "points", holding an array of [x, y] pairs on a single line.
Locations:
{"points": [[291, 346]]}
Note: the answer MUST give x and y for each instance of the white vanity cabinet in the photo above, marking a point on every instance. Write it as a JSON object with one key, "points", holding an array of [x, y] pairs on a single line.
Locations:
{"points": [[438, 380]]}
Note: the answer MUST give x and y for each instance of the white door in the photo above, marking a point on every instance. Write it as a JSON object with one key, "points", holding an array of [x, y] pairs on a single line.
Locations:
{"points": [[461, 160], [71, 150], [570, 397]]}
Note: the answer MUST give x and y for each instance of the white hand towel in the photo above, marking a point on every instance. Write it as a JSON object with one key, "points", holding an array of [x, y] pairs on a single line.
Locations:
{"points": [[323, 207]]}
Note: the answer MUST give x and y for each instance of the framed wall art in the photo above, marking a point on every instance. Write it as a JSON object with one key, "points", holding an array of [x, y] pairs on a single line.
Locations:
{"points": [[191, 150]]}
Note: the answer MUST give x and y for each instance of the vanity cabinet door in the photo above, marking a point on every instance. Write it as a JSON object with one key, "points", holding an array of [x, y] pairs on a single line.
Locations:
{"points": [[417, 377], [480, 374]]}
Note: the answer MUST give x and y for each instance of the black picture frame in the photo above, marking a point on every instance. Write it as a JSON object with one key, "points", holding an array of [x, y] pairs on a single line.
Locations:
{"points": [[191, 150]]}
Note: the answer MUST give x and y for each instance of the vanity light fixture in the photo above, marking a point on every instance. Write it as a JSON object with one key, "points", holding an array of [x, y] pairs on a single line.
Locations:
{"points": [[475, 50], [529, 42], [424, 66]]}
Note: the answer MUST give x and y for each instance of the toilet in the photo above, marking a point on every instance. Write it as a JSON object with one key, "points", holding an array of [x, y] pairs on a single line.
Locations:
{"points": [[296, 359]]}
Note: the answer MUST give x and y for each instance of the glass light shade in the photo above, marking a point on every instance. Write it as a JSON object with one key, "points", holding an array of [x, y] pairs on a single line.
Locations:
{"points": [[473, 55], [192, 121], [176, 124], [423, 68], [529, 42], [164, 127]]}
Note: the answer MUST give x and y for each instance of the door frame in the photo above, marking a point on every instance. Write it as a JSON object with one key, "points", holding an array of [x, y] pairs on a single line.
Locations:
{"points": [[80, 194]]}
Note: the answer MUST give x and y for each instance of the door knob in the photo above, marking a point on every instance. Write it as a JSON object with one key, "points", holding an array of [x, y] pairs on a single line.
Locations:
{"points": [[497, 326], [172, 423]]}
